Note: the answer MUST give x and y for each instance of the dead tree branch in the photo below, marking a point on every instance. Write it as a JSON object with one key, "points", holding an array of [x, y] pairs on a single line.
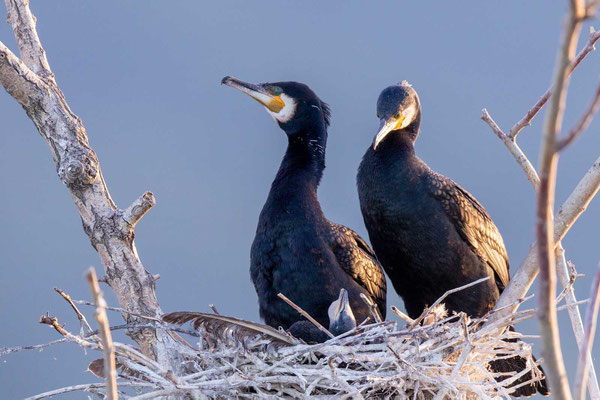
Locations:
{"points": [[31, 83], [526, 120], [551, 349], [582, 124], [110, 367], [82, 320], [585, 356]]}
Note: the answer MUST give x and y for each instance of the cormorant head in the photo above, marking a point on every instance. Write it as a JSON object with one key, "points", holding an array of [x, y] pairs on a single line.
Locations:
{"points": [[294, 106], [341, 317], [399, 112]]}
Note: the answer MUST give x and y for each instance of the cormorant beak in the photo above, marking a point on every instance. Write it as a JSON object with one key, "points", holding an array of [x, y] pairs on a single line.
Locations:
{"points": [[343, 303], [257, 92], [388, 125]]}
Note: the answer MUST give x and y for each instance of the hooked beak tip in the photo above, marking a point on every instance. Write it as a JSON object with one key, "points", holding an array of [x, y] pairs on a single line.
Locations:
{"points": [[225, 80]]}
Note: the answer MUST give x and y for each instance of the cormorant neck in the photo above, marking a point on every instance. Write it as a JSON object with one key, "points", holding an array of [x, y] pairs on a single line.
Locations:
{"points": [[304, 158], [398, 141]]}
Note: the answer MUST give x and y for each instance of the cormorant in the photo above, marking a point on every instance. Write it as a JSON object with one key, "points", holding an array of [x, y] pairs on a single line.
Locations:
{"points": [[429, 234], [341, 320], [296, 250]]}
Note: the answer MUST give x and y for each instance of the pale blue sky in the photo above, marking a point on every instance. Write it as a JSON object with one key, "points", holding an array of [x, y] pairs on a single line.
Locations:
{"points": [[145, 79]]}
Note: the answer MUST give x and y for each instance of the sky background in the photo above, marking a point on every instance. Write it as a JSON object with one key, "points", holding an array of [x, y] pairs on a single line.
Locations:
{"points": [[145, 79]]}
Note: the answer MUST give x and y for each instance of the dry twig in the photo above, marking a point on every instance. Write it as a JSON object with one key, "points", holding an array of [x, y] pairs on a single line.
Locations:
{"points": [[585, 356], [305, 314], [110, 368], [82, 320]]}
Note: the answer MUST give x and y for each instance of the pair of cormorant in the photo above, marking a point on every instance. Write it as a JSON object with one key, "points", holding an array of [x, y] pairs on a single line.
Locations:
{"points": [[429, 234]]}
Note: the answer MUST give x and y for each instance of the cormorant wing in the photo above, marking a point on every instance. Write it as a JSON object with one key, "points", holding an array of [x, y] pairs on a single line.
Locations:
{"points": [[358, 260], [473, 224]]}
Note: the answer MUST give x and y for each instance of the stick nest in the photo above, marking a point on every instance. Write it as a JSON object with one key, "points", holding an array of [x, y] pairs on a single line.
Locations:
{"points": [[444, 358]]}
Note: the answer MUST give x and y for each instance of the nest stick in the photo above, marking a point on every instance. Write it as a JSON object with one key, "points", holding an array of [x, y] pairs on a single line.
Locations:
{"points": [[305, 314]]}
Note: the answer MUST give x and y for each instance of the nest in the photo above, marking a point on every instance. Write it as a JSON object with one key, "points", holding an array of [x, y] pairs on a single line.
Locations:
{"points": [[442, 358]]}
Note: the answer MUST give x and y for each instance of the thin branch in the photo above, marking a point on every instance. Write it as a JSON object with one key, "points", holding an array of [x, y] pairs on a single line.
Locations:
{"points": [[110, 368], [514, 149], [564, 219], [84, 387], [442, 298], [551, 350], [305, 314], [82, 320], [566, 277], [582, 124], [526, 120], [53, 322], [585, 356], [405, 317]]}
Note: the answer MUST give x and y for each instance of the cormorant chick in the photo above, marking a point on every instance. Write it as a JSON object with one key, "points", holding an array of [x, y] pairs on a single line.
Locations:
{"points": [[296, 250], [429, 234], [341, 320]]}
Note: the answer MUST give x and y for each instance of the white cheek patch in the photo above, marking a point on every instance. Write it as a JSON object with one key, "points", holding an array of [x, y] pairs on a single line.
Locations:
{"points": [[287, 112], [409, 116]]}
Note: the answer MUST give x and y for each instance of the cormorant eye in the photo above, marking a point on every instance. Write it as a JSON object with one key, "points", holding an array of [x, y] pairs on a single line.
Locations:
{"points": [[276, 90], [397, 115]]}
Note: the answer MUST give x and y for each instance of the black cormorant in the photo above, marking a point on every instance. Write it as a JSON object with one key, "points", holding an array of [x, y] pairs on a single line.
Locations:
{"points": [[297, 251], [429, 234]]}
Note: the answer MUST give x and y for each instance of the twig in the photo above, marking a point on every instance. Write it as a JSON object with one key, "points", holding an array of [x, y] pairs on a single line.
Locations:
{"points": [[118, 309], [526, 120], [53, 322], [85, 387], [585, 356], [514, 149], [82, 320], [110, 368], [372, 307], [582, 124], [305, 315], [405, 317], [443, 297], [567, 275]]}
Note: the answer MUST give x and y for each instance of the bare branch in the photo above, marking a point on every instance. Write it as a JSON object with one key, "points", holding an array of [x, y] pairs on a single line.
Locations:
{"points": [[82, 320], [85, 387], [585, 356], [110, 368], [551, 350], [53, 322], [582, 124], [566, 216], [566, 278], [405, 317], [526, 120], [23, 23], [79, 169], [443, 297], [514, 149]]}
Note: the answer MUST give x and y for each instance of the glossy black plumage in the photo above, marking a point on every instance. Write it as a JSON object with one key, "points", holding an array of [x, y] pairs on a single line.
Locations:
{"points": [[429, 234], [296, 250]]}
